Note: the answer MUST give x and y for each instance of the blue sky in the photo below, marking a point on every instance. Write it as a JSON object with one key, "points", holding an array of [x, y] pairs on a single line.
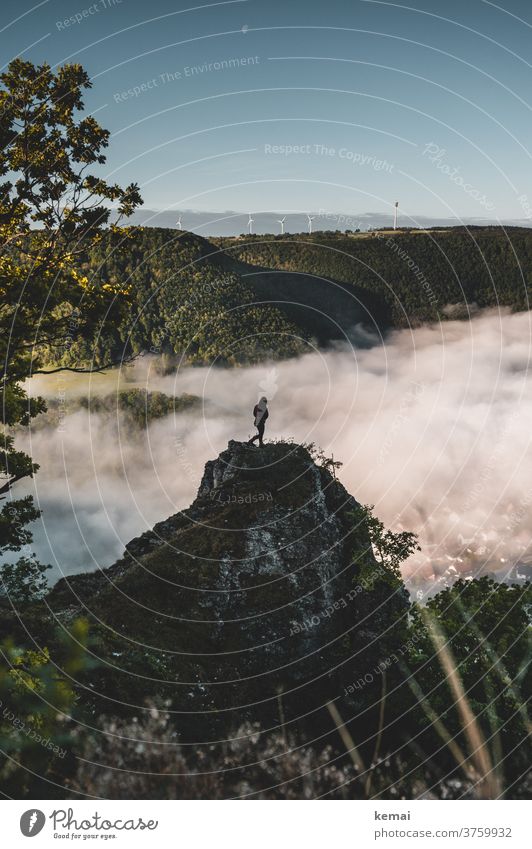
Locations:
{"points": [[295, 106]]}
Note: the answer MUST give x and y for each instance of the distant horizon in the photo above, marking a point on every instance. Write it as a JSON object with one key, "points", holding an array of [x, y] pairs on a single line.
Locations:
{"points": [[234, 223]]}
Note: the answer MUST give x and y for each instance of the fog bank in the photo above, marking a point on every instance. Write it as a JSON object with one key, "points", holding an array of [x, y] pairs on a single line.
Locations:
{"points": [[433, 428]]}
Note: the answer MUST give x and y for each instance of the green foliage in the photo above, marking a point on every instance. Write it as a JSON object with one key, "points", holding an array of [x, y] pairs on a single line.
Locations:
{"points": [[139, 406], [319, 456], [24, 582], [14, 517], [389, 549], [48, 150], [46, 154], [486, 628], [133, 409], [181, 302], [488, 631], [36, 703]]}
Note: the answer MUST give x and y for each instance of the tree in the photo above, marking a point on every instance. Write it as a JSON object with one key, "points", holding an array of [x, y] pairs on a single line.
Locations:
{"points": [[38, 702], [52, 208], [390, 549], [24, 582], [473, 639]]}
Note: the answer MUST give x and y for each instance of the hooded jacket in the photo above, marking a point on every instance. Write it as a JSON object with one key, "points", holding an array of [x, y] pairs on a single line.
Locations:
{"points": [[260, 411]]}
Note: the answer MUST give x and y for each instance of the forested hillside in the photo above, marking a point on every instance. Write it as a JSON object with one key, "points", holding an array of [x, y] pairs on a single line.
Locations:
{"points": [[410, 276], [243, 300], [169, 297]]}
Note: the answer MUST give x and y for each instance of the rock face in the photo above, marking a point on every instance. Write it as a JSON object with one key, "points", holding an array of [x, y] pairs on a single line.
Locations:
{"points": [[249, 594]]}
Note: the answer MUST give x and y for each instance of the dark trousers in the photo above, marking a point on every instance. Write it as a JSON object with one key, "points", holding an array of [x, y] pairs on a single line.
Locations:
{"points": [[260, 434]]}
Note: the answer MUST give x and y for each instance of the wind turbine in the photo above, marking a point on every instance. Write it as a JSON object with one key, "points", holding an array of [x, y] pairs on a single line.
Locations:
{"points": [[250, 224], [310, 220], [178, 223], [395, 215], [281, 222]]}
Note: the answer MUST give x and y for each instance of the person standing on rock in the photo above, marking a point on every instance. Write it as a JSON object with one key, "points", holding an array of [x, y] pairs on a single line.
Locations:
{"points": [[260, 411]]}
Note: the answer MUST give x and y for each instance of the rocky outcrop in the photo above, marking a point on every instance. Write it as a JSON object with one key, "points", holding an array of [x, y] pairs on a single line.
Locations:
{"points": [[250, 593]]}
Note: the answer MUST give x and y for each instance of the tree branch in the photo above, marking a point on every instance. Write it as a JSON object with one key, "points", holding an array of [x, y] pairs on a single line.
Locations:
{"points": [[96, 369], [12, 481]]}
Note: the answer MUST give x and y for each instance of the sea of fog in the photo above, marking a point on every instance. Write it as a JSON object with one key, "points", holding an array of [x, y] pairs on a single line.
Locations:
{"points": [[433, 427]]}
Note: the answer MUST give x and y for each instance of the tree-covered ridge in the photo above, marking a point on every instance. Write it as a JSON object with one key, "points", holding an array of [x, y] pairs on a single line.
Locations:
{"points": [[413, 275], [229, 300], [175, 295]]}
